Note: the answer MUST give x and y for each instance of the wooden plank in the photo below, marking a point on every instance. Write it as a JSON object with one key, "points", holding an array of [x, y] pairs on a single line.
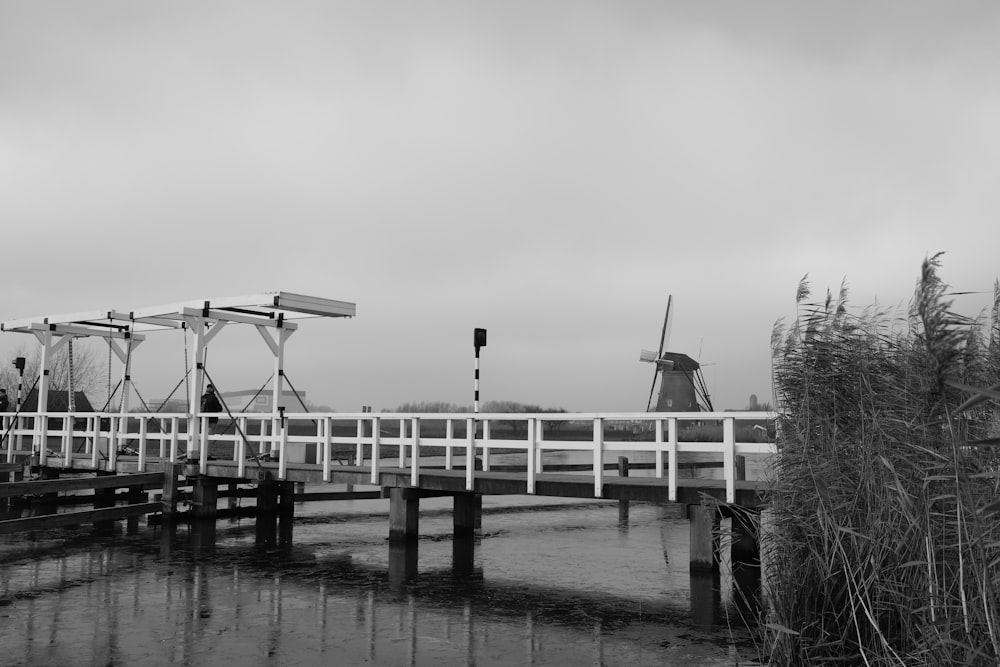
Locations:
{"points": [[37, 487], [641, 489], [75, 518], [338, 495]]}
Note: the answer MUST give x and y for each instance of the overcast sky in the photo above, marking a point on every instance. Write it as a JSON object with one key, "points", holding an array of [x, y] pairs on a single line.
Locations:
{"points": [[548, 170]]}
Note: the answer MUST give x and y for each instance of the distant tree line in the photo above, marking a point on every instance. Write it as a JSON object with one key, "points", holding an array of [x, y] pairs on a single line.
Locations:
{"points": [[487, 406], [509, 407]]}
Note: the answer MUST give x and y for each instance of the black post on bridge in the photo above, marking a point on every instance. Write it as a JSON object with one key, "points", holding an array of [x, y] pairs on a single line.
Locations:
{"points": [[478, 340]]}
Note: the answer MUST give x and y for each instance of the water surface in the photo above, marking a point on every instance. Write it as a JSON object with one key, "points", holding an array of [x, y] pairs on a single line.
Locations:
{"points": [[547, 583]]}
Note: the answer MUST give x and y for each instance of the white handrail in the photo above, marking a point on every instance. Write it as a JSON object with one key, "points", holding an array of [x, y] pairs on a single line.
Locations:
{"points": [[598, 433]]}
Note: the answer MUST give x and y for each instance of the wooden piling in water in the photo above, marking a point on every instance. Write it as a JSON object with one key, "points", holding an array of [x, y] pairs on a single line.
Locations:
{"points": [[745, 546], [404, 514], [703, 521], [266, 524], [623, 504], [171, 481], [205, 497], [467, 514]]}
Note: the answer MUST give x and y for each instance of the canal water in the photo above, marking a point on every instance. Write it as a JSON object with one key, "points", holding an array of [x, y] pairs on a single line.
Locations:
{"points": [[546, 583]]}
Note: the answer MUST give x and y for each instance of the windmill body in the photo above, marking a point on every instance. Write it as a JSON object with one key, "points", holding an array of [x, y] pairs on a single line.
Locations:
{"points": [[678, 374], [682, 386]]}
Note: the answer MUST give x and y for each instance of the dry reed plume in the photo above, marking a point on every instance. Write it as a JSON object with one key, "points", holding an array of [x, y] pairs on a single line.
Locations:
{"points": [[884, 538]]}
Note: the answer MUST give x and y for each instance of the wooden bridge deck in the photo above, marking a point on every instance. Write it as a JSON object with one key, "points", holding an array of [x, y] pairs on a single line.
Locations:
{"points": [[431, 479]]}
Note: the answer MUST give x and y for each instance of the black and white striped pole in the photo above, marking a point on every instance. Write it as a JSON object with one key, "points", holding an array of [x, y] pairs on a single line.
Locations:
{"points": [[19, 365], [479, 340]]}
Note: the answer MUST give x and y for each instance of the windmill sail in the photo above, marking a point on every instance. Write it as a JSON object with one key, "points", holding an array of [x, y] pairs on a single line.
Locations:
{"points": [[664, 335]]}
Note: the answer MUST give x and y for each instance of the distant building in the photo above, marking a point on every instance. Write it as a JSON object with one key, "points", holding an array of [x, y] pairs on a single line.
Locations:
{"points": [[58, 401]]}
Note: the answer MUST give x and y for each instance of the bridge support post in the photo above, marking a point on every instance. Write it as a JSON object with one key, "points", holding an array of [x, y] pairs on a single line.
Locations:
{"points": [[104, 498], [468, 514], [49, 473], [623, 504], [266, 525], [135, 496], [745, 548], [402, 563], [463, 556], [703, 521], [171, 482], [205, 497], [286, 511], [404, 514]]}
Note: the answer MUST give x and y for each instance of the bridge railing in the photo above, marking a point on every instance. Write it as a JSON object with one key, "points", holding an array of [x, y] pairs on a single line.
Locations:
{"points": [[100, 440]]}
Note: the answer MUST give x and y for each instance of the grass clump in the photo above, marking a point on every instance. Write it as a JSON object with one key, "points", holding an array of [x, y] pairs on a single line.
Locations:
{"points": [[883, 544]]}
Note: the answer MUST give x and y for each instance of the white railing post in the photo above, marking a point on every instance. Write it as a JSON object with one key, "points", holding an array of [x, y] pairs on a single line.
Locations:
{"points": [[729, 457], [402, 443], [143, 431], [486, 444], [43, 437], [283, 449], [415, 455], [262, 445], [240, 449], [113, 444], [532, 461], [68, 441], [598, 457], [327, 452], [540, 438], [161, 449], [90, 436], [203, 447], [318, 457], [672, 460], [359, 434], [359, 447], [174, 425], [376, 436], [470, 453], [95, 452], [449, 435], [658, 430], [67, 437]]}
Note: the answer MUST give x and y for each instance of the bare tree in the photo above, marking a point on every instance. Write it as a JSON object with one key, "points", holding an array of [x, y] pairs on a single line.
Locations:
{"points": [[87, 370]]}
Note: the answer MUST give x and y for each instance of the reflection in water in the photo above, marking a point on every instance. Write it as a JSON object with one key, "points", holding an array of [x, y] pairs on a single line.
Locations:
{"points": [[561, 586]]}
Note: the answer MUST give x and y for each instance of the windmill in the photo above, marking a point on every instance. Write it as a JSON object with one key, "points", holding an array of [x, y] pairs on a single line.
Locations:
{"points": [[682, 386]]}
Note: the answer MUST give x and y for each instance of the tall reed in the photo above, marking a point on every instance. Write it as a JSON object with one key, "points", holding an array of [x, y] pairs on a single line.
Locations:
{"points": [[883, 539]]}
